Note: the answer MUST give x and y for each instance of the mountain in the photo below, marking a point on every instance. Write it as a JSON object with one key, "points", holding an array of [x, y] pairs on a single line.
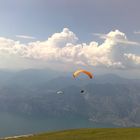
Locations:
{"points": [[5, 75], [106, 99], [32, 77]]}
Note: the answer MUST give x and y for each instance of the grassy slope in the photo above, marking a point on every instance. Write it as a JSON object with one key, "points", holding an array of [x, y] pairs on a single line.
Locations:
{"points": [[89, 134]]}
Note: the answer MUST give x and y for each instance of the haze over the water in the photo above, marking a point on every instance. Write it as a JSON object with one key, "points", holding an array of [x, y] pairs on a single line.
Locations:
{"points": [[100, 35]]}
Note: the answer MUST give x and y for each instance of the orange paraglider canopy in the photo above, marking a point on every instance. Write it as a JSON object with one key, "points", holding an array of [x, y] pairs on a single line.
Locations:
{"points": [[76, 73]]}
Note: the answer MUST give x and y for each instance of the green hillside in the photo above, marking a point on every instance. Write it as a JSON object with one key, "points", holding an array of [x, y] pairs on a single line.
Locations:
{"points": [[88, 134]]}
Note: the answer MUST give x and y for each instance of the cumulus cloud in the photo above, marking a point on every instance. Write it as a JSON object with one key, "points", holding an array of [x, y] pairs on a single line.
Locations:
{"points": [[134, 59], [120, 38], [63, 47]]}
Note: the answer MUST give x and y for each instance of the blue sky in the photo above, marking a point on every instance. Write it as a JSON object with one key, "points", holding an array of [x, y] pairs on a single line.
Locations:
{"points": [[95, 33], [41, 18]]}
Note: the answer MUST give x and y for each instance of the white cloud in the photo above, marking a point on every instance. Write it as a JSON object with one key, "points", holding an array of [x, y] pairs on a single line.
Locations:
{"points": [[118, 38], [63, 47], [25, 37], [136, 32], [135, 59]]}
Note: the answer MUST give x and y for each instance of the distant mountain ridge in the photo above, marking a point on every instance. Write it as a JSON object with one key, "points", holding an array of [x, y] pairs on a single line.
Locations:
{"points": [[106, 98], [36, 76]]}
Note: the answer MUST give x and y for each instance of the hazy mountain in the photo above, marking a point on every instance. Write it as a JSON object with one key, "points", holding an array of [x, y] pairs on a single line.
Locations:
{"points": [[5, 75], [32, 77], [107, 98]]}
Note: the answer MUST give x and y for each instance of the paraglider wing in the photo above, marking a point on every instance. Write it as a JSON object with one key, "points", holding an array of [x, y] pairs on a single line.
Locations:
{"points": [[60, 92], [76, 73]]}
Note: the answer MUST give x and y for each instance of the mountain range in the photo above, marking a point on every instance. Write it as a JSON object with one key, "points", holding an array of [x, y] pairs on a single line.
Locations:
{"points": [[106, 99]]}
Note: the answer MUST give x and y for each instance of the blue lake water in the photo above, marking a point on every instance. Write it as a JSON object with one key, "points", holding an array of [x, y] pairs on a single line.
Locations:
{"points": [[12, 124]]}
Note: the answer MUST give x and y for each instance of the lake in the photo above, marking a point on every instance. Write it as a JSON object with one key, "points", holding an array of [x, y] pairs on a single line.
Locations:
{"points": [[13, 124]]}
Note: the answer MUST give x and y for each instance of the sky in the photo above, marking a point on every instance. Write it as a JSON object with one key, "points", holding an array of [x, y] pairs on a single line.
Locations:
{"points": [[94, 34]]}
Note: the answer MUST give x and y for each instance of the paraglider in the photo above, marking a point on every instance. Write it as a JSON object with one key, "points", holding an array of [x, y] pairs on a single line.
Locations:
{"points": [[59, 92], [76, 73], [82, 91]]}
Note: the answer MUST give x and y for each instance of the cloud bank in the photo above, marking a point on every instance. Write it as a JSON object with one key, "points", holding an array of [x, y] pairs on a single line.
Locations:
{"points": [[63, 48]]}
